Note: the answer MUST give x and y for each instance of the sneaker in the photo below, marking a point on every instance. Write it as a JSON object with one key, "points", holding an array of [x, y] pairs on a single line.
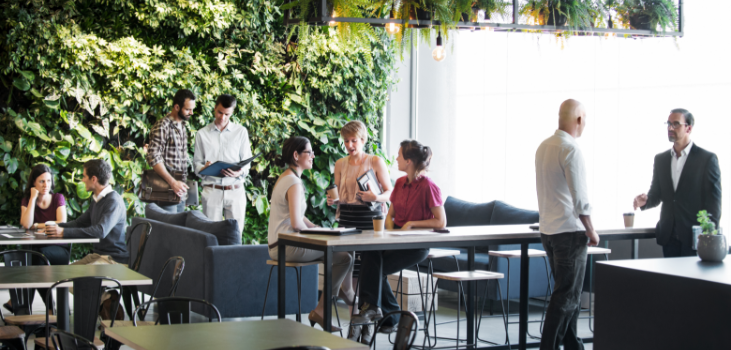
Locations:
{"points": [[367, 334], [354, 333], [368, 314], [387, 329]]}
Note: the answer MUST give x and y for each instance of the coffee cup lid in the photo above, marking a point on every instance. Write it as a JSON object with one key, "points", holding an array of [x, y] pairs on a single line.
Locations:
{"points": [[629, 214], [331, 187], [50, 223], [378, 217]]}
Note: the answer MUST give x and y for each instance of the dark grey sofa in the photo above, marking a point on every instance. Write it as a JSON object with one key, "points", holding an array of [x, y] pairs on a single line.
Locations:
{"points": [[462, 213], [232, 277]]}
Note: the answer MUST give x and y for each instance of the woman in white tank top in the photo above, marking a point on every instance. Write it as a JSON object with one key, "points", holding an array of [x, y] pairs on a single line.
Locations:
{"points": [[287, 214]]}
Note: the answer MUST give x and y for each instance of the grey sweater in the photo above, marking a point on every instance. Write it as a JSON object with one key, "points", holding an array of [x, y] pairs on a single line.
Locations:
{"points": [[106, 220]]}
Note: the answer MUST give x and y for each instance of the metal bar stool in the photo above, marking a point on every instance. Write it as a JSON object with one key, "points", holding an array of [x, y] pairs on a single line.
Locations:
{"points": [[508, 254], [591, 251], [460, 276], [431, 288], [298, 274]]}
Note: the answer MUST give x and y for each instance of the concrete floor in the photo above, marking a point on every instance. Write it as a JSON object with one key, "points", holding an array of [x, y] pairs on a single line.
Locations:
{"points": [[492, 327]]}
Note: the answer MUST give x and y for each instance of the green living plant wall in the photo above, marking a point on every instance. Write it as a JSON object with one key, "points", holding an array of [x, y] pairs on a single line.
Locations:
{"points": [[87, 79]]}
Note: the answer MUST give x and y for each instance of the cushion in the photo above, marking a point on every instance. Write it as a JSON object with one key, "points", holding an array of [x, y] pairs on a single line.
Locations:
{"points": [[154, 212], [227, 231], [463, 213], [506, 214]]}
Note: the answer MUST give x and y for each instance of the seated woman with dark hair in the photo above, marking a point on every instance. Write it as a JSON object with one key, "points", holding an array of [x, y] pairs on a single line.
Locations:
{"points": [[416, 202], [287, 214], [38, 206]]}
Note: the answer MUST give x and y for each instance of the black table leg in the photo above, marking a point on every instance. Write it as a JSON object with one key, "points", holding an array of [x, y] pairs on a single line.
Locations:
{"points": [[327, 288], [635, 249], [62, 297], [281, 284], [470, 312], [523, 322]]}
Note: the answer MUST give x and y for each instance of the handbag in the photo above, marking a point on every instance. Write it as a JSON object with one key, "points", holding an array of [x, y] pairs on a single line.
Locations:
{"points": [[154, 189]]}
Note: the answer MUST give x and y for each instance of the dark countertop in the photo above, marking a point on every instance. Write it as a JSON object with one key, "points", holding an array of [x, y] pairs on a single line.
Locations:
{"points": [[688, 267]]}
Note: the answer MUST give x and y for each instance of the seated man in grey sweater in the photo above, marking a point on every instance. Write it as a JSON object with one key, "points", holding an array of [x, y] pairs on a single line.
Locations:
{"points": [[105, 219]]}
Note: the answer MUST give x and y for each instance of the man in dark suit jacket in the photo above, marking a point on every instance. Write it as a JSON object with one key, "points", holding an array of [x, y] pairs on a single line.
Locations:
{"points": [[686, 179]]}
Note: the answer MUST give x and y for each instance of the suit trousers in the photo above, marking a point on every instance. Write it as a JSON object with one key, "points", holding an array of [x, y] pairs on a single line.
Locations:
{"points": [[567, 257], [674, 248], [230, 204]]}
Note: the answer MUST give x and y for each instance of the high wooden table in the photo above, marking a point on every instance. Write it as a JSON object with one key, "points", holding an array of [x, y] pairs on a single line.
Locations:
{"points": [[45, 276], [675, 303], [250, 335], [467, 237]]}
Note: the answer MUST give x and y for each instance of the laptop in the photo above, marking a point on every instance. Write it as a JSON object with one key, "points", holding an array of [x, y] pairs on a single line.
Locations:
{"points": [[333, 231]]}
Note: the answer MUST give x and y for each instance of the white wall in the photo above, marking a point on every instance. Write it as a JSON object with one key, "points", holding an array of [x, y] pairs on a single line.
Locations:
{"points": [[487, 107]]}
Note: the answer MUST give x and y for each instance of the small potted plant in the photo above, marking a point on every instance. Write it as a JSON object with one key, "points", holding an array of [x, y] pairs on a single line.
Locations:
{"points": [[711, 245], [646, 14]]}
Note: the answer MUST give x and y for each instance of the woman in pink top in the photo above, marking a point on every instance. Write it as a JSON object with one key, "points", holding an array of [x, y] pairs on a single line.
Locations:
{"points": [[357, 208], [38, 206], [416, 202]]}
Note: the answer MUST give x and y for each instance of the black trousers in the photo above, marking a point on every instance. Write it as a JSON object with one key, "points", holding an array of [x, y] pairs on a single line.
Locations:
{"points": [[567, 257], [56, 255], [393, 261], [675, 249]]}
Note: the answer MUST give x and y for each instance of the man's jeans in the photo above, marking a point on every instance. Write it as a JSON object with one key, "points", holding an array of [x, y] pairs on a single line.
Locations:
{"points": [[175, 208], [567, 257], [393, 261]]}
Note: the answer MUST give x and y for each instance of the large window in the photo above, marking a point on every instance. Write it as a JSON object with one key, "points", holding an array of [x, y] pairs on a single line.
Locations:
{"points": [[488, 106]]}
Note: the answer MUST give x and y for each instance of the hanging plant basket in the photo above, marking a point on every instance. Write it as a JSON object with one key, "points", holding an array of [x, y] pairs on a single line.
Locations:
{"points": [[640, 21]]}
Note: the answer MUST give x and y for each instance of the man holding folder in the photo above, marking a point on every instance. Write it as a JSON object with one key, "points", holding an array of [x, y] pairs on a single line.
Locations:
{"points": [[222, 140]]}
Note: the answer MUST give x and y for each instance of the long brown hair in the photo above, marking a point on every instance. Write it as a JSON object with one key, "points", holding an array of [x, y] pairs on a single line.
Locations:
{"points": [[35, 172]]}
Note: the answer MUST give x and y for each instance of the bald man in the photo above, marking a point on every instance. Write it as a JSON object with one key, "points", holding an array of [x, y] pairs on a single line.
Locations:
{"points": [[565, 224]]}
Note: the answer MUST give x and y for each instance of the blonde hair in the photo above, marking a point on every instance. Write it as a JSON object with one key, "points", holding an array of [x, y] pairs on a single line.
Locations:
{"points": [[355, 128]]}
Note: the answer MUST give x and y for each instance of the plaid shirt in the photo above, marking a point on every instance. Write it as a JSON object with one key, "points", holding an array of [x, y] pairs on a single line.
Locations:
{"points": [[168, 145]]}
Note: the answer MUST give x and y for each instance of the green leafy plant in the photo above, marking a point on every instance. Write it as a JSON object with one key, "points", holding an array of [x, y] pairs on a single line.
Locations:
{"points": [[85, 80], [572, 13], [708, 226], [646, 14]]}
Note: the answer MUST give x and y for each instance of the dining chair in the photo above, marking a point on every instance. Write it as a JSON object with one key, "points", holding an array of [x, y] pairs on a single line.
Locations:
{"points": [[175, 310], [87, 298], [131, 294], [69, 341]]}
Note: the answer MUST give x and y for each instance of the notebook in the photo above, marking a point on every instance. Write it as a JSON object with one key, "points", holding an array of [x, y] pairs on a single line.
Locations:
{"points": [[369, 180], [334, 231]]}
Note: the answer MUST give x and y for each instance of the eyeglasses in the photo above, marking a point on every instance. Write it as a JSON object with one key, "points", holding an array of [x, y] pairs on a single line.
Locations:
{"points": [[673, 125], [309, 152]]}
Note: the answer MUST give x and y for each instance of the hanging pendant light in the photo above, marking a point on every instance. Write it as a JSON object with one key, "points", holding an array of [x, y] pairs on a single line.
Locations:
{"points": [[438, 54], [333, 23], [392, 28]]}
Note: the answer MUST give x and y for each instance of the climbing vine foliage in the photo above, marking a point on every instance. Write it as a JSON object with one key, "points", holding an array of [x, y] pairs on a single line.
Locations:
{"points": [[87, 79]]}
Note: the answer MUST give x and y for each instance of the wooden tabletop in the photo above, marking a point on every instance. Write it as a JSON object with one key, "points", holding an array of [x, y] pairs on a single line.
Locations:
{"points": [[250, 335], [45, 276], [462, 233], [30, 237]]}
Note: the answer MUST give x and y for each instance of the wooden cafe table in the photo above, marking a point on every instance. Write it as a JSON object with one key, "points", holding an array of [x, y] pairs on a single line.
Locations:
{"points": [[250, 335], [467, 237], [10, 236], [45, 276]]}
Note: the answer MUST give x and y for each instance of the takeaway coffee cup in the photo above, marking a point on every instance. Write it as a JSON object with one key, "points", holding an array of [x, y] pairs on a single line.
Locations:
{"points": [[333, 192], [629, 219], [379, 223], [49, 224]]}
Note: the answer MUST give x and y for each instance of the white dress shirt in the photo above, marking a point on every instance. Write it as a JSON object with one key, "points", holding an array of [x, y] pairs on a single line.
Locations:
{"points": [[103, 193], [561, 184], [230, 145], [677, 163]]}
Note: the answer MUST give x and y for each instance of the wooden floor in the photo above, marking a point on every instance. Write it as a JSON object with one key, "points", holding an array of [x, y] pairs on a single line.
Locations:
{"points": [[492, 328]]}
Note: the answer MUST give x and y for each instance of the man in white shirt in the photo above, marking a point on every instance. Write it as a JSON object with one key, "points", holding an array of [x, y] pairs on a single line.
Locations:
{"points": [[222, 140], [686, 179], [565, 224]]}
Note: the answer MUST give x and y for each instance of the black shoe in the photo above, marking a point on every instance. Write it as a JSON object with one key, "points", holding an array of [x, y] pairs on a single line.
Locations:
{"points": [[387, 329], [8, 307]]}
